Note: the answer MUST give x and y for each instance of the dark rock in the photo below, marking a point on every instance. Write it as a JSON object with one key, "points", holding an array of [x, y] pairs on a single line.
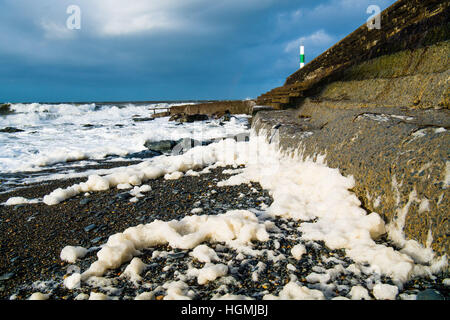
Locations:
{"points": [[189, 117], [162, 146], [176, 255], [124, 196], [14, 259], [7, 276], [176, 116], [183, 145], [142, 119], [5, 109], [11, 130], [175, 147], [85, 201], [430, 294], [161, 114], [143, 154], [96, 240], [90, 227], [18, 206], [196, 117], [223, 116]]}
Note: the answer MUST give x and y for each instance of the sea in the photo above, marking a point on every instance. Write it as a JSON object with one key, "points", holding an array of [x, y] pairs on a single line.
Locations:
{"points": [[41, 141]]}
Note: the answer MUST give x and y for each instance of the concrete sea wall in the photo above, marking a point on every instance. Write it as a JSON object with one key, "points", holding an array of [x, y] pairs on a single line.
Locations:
{"points": [[406, 25], [210, 108], [377, 105]]}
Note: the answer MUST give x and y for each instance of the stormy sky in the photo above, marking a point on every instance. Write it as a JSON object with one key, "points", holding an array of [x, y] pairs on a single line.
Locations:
{"points": [[139, 50]]}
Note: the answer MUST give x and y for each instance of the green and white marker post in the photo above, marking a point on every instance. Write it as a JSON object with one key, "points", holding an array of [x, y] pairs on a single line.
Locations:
{"points": [[302, 56]]}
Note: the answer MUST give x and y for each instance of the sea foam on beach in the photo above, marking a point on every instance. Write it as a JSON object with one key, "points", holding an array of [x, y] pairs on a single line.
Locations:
{"points": [[303, 190]]}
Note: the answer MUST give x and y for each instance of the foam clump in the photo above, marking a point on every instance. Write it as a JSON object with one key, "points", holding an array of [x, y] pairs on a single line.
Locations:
{"points": [[173, 176], [123, 186], [145, 296], [298, 251], [82, 296], [209, 272], [178, 290], [205, 254], [39, 296], [238, 227], [19, 200], [383, 291], [294, 291], [73, 281], [145, 188], [137, 192], [192, 173], [98, 296], [318, 277], [359, 293], [71, 254], [134, 269]]}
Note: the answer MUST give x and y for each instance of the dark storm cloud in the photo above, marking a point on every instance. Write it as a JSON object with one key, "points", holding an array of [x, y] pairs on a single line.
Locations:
{"points": [[143, 50]]}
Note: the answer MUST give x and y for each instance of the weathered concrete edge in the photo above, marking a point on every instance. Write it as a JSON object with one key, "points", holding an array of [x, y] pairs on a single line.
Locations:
{"points": [[400, 166], [210, 108]]}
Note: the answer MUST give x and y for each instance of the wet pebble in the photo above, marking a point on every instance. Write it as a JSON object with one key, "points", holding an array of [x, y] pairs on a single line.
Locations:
{"points": [[96, 240], [177, 255], [429, 294], [85, 201], [14, 259], [123, 196], [7, 276], [90, 227]]}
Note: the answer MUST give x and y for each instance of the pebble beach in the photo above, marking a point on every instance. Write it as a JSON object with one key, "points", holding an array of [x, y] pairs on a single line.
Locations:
{"points": [[33, 236], [131, 239]]}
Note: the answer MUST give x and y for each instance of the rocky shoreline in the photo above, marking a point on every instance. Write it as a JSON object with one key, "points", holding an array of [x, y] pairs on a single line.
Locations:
{"points": [[33, 236]]}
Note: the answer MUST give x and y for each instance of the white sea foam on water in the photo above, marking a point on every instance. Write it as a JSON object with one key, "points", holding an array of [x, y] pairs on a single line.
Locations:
{"points": [[303, 190], [67, 132]]}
